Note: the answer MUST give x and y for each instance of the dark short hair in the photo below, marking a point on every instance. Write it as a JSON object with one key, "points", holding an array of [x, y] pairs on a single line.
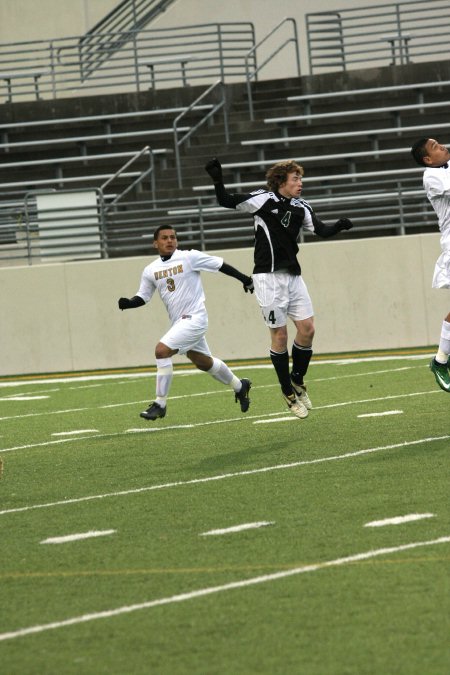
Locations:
{"points": [[418, 150], [278, 173], [160, 229]]}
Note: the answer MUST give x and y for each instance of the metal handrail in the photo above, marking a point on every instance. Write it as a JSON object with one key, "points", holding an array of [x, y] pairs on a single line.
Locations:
{"points": [[251, 55], [127, 18], [179, 141], [382, 34], [138, 181]]}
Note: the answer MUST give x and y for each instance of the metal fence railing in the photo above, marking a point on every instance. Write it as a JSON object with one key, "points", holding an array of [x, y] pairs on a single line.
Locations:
{"points": [[377, 35], [146, 59]]}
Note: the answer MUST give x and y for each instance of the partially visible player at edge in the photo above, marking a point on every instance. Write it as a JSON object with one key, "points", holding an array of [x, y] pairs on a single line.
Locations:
{"points": [[278, 215], [435, 157], [176, 276]]}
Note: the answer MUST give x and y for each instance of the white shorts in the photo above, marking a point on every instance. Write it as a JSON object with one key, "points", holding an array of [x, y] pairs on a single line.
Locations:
{"points": [[441, 276], [281, 295], [188, 333]]}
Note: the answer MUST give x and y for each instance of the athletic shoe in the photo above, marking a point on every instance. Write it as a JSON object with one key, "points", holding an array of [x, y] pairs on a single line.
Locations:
{"points": [[153, 412], [441, 373], [301, 394], [242, 395], [295, 406]]}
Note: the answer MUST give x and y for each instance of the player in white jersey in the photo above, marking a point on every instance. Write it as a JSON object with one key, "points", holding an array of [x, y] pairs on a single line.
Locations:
{"points": [[436, 181], [175, 274]]}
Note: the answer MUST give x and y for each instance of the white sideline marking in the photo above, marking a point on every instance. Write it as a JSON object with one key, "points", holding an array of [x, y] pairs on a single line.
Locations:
{"points": [[237, 528], [398, 520], [208, 479], [23, 397], [202, 592], [76, 537], [72, 433], [114, 376], [276, 419], [381, 414]]}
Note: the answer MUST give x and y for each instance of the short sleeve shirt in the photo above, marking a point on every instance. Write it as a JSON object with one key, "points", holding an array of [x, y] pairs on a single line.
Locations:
{"points": [[178, 281]]}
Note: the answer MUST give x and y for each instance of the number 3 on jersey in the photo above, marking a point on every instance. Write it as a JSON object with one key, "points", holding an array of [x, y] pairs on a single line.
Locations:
{"points": [[170, 284]]}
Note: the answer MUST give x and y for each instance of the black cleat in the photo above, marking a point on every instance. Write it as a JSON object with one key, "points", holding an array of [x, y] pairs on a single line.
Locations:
{"points": [[242, 395], [153, 412]]}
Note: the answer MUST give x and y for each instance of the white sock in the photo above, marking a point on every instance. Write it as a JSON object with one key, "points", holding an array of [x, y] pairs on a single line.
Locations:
{"points": [[220, 371], [164, 374], [444, 343]]}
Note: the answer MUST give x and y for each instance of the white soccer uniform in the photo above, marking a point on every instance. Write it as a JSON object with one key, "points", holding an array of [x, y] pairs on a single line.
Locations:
{"points": [[436, 182], [179, 284]]}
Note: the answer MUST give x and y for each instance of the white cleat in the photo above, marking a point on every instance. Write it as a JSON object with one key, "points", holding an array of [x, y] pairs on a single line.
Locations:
{"points": [[295, 406], [302, 395]]}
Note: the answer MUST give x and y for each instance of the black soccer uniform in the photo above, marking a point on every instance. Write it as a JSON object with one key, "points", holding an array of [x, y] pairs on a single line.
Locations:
{"points": [[277, 222]]}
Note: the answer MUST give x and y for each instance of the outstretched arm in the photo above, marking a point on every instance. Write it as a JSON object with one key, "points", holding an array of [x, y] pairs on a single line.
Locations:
{"points": [[214, 169], [243, 278], [129, 303], [326, 231]]}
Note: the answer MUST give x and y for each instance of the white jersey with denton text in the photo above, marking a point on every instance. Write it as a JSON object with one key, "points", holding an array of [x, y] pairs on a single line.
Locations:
{"points": [[436, 182], [178, 281]]}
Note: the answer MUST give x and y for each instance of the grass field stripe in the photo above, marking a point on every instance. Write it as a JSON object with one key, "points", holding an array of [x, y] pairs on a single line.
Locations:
{"points": [[237, 528], [248, 472], [199, 424], [76, 537], [204, 393], [382, 414], [399, 520], [202, 592]]}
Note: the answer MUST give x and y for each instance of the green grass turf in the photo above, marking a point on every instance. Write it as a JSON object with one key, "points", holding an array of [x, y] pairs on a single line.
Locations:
{"points": [[206, 466]]}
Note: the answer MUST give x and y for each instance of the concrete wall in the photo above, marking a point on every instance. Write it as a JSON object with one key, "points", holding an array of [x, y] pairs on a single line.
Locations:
{"points": [[367, 294]]}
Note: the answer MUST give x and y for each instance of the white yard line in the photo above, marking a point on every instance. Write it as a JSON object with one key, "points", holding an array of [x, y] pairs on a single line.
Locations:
{"points": [[210, 393], [382, 414], [76, 537], [211, 590], [23, 397], [399, 520], [237, 528], [75, 432], [208, 479]]}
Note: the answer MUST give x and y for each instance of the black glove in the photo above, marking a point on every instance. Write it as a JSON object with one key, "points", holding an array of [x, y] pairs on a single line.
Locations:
{"points": [[124, 303], [248, 285], [214, 168], [344, 224]]}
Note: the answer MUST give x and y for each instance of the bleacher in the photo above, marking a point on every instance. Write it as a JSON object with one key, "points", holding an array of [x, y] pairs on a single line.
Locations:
{"points": [[144, 154]]}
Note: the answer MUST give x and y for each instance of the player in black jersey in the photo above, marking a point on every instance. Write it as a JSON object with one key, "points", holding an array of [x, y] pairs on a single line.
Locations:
{"points": [[279, 214]]}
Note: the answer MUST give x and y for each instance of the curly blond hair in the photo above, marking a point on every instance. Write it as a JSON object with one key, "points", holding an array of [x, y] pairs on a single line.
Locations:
{"points": [[278, 173]]}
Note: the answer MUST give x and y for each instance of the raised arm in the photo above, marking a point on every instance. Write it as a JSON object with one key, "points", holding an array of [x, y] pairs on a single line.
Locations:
{"points": [[214, 169]]}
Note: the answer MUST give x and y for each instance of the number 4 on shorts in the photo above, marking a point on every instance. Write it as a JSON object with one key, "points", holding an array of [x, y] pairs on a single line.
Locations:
{"points": [[271, 318]]}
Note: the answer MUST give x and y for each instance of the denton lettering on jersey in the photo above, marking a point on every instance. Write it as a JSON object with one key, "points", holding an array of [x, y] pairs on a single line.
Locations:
{"points": [[163, 274]]}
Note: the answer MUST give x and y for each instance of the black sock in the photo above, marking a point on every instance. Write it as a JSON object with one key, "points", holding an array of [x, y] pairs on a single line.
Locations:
{"points": [[301, 356], [281, 365]]}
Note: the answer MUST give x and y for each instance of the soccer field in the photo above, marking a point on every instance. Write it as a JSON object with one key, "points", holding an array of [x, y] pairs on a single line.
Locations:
{"points": [[213, 542]]}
